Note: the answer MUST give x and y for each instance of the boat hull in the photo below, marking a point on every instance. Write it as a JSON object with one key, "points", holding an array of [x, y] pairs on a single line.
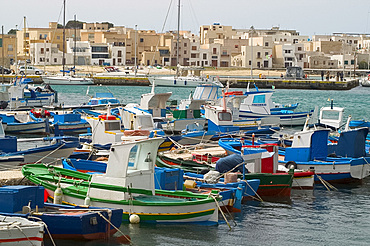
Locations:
{"points": [[171, 81], [25, 233], [67, 81], [29, 127]]}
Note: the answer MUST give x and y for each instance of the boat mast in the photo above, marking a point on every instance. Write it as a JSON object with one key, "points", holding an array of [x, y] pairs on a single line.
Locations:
{"points": [[2, 53], [178, 39], [74, 51], [64, 32]]}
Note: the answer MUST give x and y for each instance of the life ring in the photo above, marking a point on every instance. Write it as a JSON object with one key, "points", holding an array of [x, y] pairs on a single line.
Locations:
{"points": [[291, 164]]}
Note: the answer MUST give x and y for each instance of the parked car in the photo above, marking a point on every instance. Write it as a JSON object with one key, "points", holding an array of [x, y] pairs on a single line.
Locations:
{"points": [[6, 70], [30, 70]]}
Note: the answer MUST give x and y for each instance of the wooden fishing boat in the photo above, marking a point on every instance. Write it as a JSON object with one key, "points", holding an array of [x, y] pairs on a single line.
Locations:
{"points": [[20, 231], [272, 185], [128, 184], [62, 221]]}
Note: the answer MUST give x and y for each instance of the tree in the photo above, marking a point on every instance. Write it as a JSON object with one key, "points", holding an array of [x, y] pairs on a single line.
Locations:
{"points": [[12, 31]]}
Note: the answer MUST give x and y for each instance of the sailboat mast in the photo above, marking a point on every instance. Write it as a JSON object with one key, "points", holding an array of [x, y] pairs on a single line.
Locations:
{"points": [[74, 50], [178, 38], [64, 32]]}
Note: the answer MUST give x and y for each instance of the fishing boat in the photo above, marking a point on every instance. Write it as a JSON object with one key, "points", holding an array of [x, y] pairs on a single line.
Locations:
{"points": [[128, 184], [258, 104], [11, 157], [102, 100], [20, 95], [20, 231], [232, 193], [273, 186], [62, 221], [60, 123], [347, 161], [16, 123]]}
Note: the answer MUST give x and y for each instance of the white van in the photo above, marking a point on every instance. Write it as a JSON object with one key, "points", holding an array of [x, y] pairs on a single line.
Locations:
{"points": [[30, 70]]}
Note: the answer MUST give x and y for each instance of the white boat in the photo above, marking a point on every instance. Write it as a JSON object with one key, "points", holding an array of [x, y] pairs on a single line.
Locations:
{"points": [[20, 231], [67, 80], [365, 82], [258, 104], [182, 81]]}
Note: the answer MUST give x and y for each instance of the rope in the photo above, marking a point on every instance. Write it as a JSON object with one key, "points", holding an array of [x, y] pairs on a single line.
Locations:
{"points": [[46, 227], [20, 229], [127, 238], [255, 192], [223, 215], [52, 152], [326, 183]]}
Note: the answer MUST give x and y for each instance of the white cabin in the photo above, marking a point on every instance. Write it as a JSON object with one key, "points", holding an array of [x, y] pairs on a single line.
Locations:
{"points": [[130, 164]]}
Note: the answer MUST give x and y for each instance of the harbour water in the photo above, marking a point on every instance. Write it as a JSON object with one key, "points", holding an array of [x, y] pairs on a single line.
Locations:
{"points": [[314, 217]]}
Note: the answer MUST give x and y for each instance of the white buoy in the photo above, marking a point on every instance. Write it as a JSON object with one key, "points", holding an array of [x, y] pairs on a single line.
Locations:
{"points": [[58, 196], [87, 201], [134, 219]]}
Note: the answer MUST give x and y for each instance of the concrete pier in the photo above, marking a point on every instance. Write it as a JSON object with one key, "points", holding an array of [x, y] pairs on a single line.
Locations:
{"points": [[348, 84], [294, 84]]}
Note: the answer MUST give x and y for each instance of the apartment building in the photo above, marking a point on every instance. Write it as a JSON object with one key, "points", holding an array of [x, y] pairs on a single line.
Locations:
{"points": [[258, 53], [8, 46], [208, 33], [289, 55]]}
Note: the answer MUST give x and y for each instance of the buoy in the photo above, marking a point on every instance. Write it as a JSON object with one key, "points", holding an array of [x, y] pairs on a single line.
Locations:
{"points": [[134, 219], [190, 184], [58, 195], [87, 201]]}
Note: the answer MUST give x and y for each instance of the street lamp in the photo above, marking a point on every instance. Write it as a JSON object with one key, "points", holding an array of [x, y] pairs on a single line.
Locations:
{"points": [[251, 37]]}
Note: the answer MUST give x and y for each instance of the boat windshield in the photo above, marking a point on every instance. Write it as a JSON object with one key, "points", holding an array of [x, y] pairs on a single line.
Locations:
{"points": [[132, 157]]}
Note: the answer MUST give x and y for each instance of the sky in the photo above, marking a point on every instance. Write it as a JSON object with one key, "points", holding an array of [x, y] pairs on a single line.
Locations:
{"points": [[308, 17]]}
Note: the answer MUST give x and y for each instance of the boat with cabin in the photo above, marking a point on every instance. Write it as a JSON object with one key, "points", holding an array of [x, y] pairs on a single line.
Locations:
{"points": [[128, 184]]}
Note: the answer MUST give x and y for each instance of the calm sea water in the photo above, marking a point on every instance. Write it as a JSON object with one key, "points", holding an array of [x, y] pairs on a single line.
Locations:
{"points": [[316, 217]]}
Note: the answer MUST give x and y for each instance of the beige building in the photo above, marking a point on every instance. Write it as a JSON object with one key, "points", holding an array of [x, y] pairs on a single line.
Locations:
{"points": [[8, 48], [258, 53], [208, 33]]}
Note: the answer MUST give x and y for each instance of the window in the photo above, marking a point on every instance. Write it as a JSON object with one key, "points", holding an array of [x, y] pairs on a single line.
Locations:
{"points": [[214, 51], [95, 56], [99, 49], [119, 60], [55, 60], [91, 36], [42, 51], [250, 62], [119, 53], [58, 37], [323, 62], [299, 48], [266, 43], [266, 53], [258, 54], [112, 126], [352, 62], [224, 116], [10, 47], [259, 99], [141, 40], [47, 49], [185, 44], [132, 157], [193, 56], [193, 47], [184, 52], [204, 56], [345, 62], [236, 46]]}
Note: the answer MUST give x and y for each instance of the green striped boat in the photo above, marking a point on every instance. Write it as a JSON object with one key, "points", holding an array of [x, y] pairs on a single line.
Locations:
{"points": [[128, 184]]}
